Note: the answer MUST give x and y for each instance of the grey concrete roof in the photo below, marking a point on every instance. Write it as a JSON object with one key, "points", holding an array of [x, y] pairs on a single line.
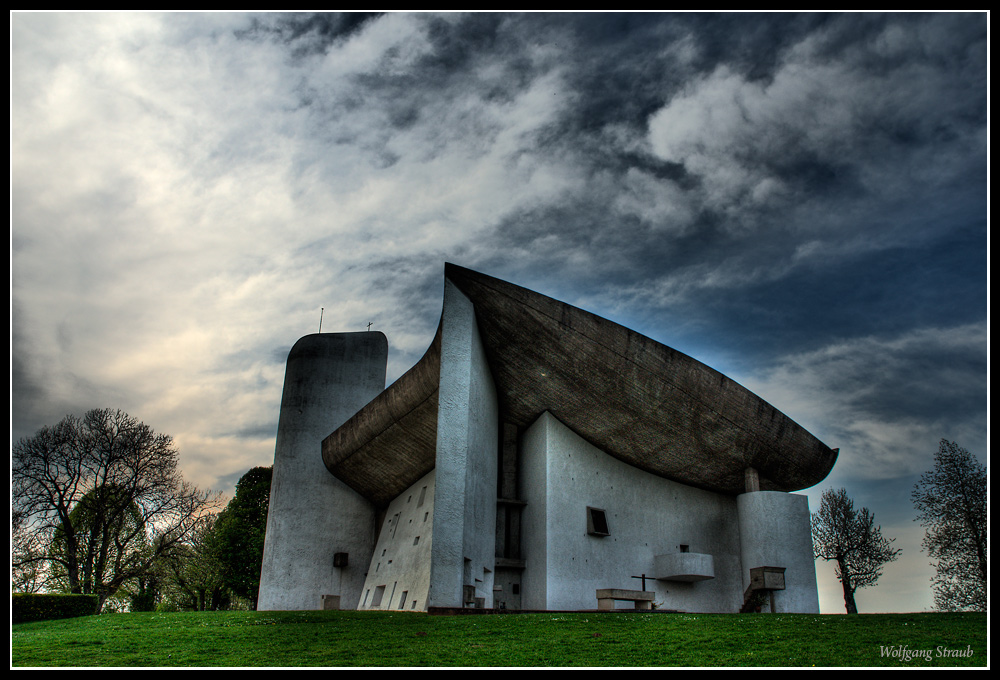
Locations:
{"points": [[636, 399]]}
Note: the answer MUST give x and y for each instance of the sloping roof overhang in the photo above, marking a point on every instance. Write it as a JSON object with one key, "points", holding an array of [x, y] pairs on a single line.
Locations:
{"points": [[640, 401]]}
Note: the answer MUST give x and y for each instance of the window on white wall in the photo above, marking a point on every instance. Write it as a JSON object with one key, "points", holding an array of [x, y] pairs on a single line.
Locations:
{"points": [[597, 522]]}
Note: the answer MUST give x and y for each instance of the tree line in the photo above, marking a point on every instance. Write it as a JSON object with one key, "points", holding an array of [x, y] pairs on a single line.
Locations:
{"points": [[950, 500], [98, 506]]}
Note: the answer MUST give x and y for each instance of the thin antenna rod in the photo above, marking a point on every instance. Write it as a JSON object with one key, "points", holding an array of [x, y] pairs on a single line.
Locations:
{"points": [[320, 319]]}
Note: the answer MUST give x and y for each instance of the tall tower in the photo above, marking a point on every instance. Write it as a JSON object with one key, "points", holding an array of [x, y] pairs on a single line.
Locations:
{"points": [[312, 515]]}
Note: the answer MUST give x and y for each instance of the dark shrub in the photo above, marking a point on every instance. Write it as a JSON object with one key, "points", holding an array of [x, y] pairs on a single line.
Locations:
{"points": [[40, 607]]}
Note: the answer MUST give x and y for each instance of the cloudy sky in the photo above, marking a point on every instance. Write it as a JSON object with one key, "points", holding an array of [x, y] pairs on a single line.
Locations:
{"points": [[797, 200]]}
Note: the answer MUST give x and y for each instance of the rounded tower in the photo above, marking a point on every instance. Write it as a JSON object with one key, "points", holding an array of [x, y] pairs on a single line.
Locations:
{"points": [[313, 516]]}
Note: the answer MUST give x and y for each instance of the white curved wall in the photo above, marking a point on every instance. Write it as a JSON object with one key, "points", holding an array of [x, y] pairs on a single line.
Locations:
{"points": [[400, 566], [312, 515], [775, 532], [561, 475], [465, 504]]}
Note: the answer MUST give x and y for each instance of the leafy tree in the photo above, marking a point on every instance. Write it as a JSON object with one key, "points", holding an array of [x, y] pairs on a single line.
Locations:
{"points": [[130, 473], [951, 502], [239, 533], [191, 575], [850, 537], [145, 593]]}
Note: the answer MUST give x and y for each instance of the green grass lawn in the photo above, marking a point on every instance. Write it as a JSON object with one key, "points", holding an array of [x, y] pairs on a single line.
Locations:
{"points": [[551, 639]]}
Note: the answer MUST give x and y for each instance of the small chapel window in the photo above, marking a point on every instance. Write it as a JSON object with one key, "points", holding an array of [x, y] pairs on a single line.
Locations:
{"points": [[597, 522]]}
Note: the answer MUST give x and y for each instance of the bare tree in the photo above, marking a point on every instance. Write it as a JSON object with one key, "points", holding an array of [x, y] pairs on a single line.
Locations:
{"points": [[28, 574], [134, 494], [951, 502], [852, 540]]}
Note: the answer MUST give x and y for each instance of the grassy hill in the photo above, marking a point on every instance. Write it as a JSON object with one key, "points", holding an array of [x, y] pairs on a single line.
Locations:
{"points": [[550, 639]]}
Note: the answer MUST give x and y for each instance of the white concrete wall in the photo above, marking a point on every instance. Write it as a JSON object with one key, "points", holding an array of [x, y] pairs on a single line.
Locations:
{"points": [[466, 464], [561, 474], [312, 515], [402, 559], [533, 483], [775, 532]]}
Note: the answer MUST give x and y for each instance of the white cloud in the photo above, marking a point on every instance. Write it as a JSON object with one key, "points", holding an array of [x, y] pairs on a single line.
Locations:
{"points": [[858, 111], [176, 209]]}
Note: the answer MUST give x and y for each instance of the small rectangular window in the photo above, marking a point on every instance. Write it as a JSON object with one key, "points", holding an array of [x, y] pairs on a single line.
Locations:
{"points": [[597, 522]]}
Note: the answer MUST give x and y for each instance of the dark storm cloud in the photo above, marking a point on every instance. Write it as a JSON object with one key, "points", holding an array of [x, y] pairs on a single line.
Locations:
{"points": [[27, 387], [799, 165], [939, 281], [602, 55]]}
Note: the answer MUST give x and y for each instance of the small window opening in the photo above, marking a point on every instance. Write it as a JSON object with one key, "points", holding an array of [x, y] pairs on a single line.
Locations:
{"points": [[597, 522]]}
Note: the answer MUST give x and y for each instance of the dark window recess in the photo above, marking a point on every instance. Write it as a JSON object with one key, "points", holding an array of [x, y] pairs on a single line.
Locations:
{"points": [[597, 522]]}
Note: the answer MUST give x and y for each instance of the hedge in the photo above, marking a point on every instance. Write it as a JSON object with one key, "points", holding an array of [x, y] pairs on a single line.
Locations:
{"points": [[40, 607]]}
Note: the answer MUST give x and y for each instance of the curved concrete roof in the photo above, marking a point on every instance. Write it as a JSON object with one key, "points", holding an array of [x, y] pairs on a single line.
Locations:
{"points": [[636, 399]]}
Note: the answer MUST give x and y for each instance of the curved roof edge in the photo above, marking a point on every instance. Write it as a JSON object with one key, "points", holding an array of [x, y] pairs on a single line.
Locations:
{"points": [[638, 400]]}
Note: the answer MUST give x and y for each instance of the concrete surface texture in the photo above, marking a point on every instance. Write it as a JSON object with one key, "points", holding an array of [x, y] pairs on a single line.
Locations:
{"points": [[647, 516], [403, 552], [775, 532], [554, 454], [312, 514]]}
